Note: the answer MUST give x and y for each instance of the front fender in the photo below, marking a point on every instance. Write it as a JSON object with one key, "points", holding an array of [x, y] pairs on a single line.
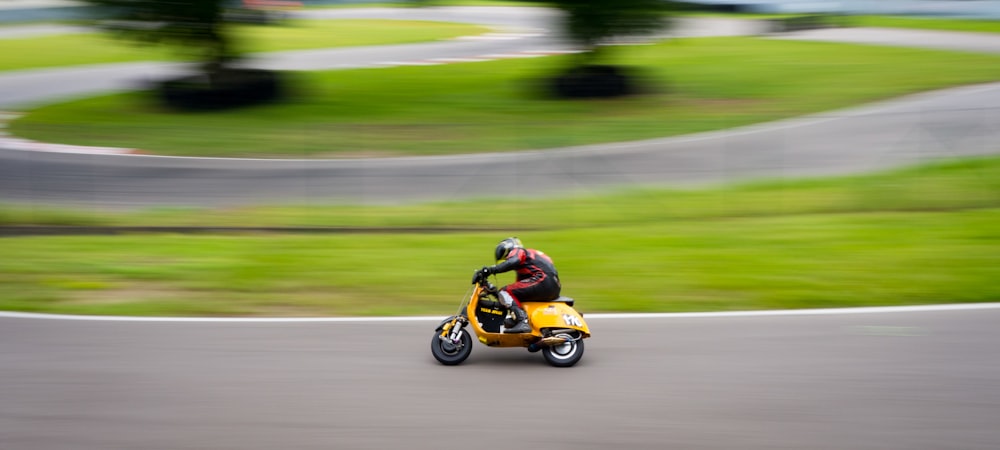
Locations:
{"points": [[445, 321]]}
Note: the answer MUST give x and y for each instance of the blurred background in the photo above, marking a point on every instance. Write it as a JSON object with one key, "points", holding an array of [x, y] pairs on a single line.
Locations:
{"points": [[302, 158]]}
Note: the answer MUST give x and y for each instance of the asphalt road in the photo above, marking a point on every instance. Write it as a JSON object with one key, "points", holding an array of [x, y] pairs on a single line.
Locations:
{"points": [[887, 381]]}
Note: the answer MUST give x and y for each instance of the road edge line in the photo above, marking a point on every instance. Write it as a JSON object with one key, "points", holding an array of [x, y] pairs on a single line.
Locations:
{"points": [[599, 316]]}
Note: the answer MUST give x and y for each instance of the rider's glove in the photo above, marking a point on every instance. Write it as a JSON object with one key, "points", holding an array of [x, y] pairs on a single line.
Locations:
{"points": [[480, 274]]}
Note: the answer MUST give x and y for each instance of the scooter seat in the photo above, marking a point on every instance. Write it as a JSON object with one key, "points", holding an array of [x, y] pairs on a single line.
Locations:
{"points": [[566, 300]]}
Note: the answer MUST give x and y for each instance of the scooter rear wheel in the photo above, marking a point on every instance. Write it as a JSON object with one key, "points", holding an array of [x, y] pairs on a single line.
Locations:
{"points": [[449, 353], [564, 355]]}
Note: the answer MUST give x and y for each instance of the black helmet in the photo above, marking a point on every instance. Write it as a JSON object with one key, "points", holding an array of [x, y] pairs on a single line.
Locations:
{"points": [[505, 246]]}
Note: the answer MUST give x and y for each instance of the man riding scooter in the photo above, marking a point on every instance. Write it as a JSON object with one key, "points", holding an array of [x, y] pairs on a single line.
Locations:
{"points": [[537, 279]]}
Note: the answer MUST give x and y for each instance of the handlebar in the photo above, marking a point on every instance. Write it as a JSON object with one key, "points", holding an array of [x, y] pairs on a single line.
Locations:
{"points": [[482, 279], [480, 276]]}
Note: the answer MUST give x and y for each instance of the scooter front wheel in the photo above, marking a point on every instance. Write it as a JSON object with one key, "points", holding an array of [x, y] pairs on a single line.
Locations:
{"points": [[565, 354], [451, 353]]}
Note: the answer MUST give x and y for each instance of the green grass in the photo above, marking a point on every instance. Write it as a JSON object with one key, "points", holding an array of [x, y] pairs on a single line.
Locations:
{"points": [[98, 48], [914, 236], [928, 23], [700, 85], [725, 264]]}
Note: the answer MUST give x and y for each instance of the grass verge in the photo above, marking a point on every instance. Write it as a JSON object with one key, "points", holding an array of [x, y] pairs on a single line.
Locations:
{"points": [[495, 106], [926, 23], [957, 185], [914, 236]]}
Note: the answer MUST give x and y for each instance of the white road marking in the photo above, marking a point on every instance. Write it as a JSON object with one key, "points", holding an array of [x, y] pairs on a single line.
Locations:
{"points": [[512, 55], [498, 37], [407, 63], [458, 60], [610, 316]]}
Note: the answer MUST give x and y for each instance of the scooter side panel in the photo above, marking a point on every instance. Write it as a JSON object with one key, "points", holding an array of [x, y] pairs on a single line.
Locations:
{"points": [[490, 319], [555, 315]]}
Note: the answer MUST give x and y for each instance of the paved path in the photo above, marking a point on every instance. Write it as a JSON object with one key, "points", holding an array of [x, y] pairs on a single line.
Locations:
{"points": [[36, 30], [942, 40], [977, 9]]}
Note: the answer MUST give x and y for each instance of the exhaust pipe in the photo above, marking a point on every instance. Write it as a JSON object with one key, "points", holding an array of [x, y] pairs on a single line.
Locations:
{"points": [[553, 340]]}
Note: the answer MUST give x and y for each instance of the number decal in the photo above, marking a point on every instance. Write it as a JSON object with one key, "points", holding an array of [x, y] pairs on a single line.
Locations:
{"points": [[572, 320]]}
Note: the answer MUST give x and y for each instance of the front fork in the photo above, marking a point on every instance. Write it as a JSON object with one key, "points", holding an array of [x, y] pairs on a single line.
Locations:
{"points": [[451, 331]]}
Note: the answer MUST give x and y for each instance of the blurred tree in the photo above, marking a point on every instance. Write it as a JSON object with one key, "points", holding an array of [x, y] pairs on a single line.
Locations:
{"points": [[591, 23], [200, 28]]}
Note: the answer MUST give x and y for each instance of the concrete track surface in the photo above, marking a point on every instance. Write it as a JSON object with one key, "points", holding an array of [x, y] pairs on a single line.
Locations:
{"points": [[885, 381]]}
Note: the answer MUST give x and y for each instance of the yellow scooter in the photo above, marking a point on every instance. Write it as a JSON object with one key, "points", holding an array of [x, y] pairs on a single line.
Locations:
{"points": [[557, 329]]}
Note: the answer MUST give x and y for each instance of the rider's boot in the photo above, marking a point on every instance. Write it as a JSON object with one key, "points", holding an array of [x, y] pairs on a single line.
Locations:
{"points": [[520, 320]]}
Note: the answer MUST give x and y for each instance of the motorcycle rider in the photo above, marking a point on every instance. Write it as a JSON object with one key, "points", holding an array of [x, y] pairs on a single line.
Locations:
{"points": [[537, 279]]}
